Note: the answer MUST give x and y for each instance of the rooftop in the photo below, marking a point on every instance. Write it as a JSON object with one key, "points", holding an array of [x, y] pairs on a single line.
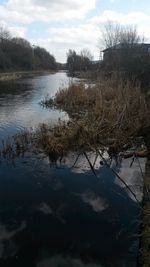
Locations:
{"points": [[126, 45]]}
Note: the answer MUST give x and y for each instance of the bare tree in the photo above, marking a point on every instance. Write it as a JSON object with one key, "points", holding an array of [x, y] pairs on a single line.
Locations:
{"points": [[114, 33], [123, 47], [85, 53], [4, 34], [110, 34]]}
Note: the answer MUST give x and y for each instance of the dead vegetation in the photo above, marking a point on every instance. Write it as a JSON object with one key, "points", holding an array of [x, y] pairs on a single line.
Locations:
{"points": [[112, 112]]}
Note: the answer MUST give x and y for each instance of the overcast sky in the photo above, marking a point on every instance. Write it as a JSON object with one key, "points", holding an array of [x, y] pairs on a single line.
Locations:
{"points": [[59, 25]]}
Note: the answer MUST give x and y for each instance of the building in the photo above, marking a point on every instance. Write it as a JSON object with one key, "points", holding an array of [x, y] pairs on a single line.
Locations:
{"points": [[127, 57], [137, 50]]}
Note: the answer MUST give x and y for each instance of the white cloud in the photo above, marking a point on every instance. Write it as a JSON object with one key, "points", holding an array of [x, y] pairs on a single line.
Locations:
{"points": [[15, 13], [28, 11], [17, 31], [129, 18], [14, 30], [60, 40], [87, 35], [132, 177], [97, 203]]}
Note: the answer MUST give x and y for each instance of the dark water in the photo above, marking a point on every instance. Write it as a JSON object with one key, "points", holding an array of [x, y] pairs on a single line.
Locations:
{"points": [[59, 216]]}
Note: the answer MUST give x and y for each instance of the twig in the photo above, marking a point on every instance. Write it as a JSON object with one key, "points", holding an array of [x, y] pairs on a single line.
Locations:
{"points": [[118, 176], [91, 166], [76, 160], [95, 159]]}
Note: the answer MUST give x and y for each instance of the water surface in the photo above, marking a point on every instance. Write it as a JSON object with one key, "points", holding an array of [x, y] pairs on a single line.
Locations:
{"points": [[19, 102], [55, 215]]}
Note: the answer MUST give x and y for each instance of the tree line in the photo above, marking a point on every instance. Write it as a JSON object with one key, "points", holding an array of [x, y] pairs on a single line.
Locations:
{"points": [[18, 54], [79, 62]]}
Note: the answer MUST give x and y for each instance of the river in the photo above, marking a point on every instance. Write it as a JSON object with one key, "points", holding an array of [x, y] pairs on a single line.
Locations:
{"points": [[59, 216]]}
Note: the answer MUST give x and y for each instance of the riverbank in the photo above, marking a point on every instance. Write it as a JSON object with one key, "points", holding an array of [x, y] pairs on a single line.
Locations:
{"points": [[144, 253], [8, 76]]}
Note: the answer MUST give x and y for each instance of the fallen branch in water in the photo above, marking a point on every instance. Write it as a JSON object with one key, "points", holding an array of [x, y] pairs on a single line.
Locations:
{"points": [[139, 154], [119, 177]]}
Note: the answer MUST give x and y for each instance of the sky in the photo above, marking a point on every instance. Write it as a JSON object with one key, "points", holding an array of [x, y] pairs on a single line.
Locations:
{"points": [[60, 25]]}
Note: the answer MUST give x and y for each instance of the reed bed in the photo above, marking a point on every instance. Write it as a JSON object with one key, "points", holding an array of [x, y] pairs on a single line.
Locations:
{"points": [[111, 113], [113, 109]]}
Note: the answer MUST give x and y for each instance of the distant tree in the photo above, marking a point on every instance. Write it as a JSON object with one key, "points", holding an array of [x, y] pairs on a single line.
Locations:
{"points": [[18, 54], [86, 53], [72, 60], [5, 61], [79, 62], [22, 42], [114, 33], [4, 34], [121, 47], [43, 59], [86, 58], [129, 35]]}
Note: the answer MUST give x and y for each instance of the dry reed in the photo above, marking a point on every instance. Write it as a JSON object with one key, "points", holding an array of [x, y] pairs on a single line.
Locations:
{"points": [[110, 113]]}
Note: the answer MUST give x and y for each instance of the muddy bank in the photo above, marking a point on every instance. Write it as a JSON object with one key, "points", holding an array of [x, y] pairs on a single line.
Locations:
{"points": [[7, 76]]}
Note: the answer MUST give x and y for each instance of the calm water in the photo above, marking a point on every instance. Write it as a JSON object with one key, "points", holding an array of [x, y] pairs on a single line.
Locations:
{"points": [[59, 216], [19, 102]]}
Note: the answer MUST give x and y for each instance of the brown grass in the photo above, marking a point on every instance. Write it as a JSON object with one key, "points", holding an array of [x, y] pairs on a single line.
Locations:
{"points": [[111, 113], [111, 109]]}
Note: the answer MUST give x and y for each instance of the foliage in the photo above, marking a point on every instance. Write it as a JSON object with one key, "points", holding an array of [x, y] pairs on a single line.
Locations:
{"points": [[18, 54], [79, 62], [43, 59]]}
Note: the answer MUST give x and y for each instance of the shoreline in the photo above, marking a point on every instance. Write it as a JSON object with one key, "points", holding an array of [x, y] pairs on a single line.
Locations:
{"points": [[144, 249], [15, 75]]}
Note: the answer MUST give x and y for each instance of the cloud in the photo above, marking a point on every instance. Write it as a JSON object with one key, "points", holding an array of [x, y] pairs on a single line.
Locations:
{"points": [[46, 209], [28, 11], [87, 35], [6, 236], [132, 177], [139, 19], [14, 30], [18, 15], [97, 203], [17, 31], [129, 18], [60, 40]]}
